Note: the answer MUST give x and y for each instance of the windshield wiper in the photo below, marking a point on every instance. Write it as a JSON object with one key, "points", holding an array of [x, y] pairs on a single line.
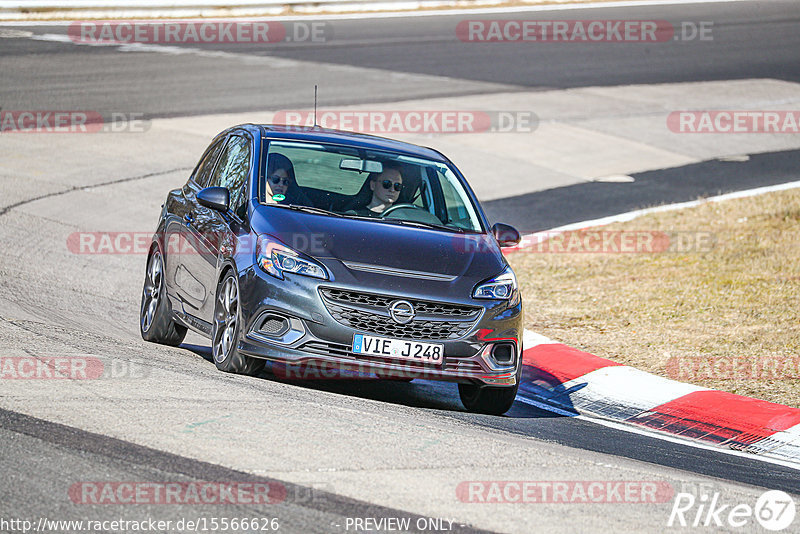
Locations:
{"points": [[420, 224], [307, 209]]}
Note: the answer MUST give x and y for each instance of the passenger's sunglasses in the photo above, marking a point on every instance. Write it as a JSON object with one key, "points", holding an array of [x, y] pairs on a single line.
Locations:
{"points": [[387, 184], [275, 179]]}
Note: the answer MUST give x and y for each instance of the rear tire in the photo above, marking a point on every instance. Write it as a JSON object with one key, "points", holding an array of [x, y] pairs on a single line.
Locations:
{"points": [[155, 316], [225, 331]]}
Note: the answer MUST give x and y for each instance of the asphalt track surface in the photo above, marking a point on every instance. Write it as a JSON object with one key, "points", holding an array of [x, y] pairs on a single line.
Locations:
{"points": [[565, 205], [750, 40], [51, 439]]}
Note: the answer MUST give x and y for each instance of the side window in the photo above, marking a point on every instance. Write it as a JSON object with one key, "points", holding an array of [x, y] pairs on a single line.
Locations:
{"points": [[232, 171], [455, 209], [207, 164], [459, 213]]}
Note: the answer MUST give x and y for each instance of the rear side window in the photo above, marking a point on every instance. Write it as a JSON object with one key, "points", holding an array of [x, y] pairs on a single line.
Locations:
{"points": [[205, 167]]}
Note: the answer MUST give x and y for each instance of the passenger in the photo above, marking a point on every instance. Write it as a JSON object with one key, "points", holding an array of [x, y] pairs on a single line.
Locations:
{"points": [[282, 182], [385, 187], [280, 174]]}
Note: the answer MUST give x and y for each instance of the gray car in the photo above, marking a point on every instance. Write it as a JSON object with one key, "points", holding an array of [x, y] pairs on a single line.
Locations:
{"points": [[343, 253]]}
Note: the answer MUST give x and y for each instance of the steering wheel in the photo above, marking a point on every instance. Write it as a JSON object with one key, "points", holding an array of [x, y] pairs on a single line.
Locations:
{"points": [[391, 209], [411, 213]]}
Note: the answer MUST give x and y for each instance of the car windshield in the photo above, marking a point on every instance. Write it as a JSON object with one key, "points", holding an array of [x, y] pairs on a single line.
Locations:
{"points": [[360, 183]]}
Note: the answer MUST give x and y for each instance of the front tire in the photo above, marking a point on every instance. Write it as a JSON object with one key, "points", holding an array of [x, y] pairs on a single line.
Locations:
{"points": [[155, 316], [488, 399], [225, 331]]}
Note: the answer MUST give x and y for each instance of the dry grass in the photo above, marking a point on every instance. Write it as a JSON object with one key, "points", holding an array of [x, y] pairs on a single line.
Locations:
{"points": [[726, 318]]}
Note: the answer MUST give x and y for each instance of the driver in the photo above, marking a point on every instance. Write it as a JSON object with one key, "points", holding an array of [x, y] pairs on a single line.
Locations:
{"points": [[385, 187]]}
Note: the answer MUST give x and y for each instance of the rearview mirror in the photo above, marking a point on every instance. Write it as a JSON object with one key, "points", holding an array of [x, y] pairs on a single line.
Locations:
{"points": [[361, 165], [507, 236], [216, 198]]}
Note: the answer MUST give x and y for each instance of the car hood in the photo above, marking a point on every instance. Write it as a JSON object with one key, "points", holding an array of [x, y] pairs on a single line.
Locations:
{"points": [[380, 244]]}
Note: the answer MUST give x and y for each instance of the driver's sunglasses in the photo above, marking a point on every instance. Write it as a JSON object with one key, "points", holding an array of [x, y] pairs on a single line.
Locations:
{"points": [[275, 179], [387, 184]]}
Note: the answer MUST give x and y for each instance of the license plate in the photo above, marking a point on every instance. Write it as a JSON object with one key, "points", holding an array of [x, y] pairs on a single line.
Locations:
{"points": [[401, 349]]}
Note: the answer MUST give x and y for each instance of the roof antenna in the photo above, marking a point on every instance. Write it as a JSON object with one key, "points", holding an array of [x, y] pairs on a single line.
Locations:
{"points": [[315, 105]]}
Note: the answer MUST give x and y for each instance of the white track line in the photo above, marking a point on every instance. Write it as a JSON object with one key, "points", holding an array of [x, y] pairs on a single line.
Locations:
{"points": [[634, 429], [536, 237], [684, 441]]}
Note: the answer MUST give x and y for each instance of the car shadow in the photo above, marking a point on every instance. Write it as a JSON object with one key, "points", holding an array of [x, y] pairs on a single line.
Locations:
{"points": [[201, 350], [546, 391], [541, 395]]}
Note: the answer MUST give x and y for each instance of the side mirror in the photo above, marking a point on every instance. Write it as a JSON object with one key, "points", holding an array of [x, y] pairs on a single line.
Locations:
{"points": [[507, 236], [216, 198]]}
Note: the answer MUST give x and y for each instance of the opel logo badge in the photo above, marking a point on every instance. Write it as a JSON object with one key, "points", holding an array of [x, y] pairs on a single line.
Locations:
{"points": [[401, 311]]}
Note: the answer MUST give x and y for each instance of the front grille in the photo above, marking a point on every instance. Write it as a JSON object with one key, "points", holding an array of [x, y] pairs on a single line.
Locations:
{"points": [[369, 313], [422, 307]]}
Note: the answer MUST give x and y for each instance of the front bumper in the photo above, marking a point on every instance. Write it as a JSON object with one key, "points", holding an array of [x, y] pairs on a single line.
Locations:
{"points": [[316, 345]]}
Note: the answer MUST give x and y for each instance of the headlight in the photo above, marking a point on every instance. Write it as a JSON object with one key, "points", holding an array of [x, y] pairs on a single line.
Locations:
{"points": [[500, 287], [276, 258]]}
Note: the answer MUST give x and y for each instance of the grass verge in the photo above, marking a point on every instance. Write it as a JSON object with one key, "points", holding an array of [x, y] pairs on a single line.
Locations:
{"points": [[717, 305]]}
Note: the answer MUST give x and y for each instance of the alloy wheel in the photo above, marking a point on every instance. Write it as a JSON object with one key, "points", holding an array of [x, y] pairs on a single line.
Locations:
{"points": [[152, 291], [226, 317]]}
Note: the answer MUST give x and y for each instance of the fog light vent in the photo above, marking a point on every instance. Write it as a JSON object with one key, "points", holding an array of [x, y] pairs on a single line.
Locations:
{"points": [[503, 353], [274, 325]]}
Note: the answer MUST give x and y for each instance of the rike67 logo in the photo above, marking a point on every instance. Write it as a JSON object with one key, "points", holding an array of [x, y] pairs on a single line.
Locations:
{"points": [[774, 510]]}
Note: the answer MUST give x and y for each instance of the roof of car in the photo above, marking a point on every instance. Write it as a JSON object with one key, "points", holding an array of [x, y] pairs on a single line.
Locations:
{"points": [[340, 137]]}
